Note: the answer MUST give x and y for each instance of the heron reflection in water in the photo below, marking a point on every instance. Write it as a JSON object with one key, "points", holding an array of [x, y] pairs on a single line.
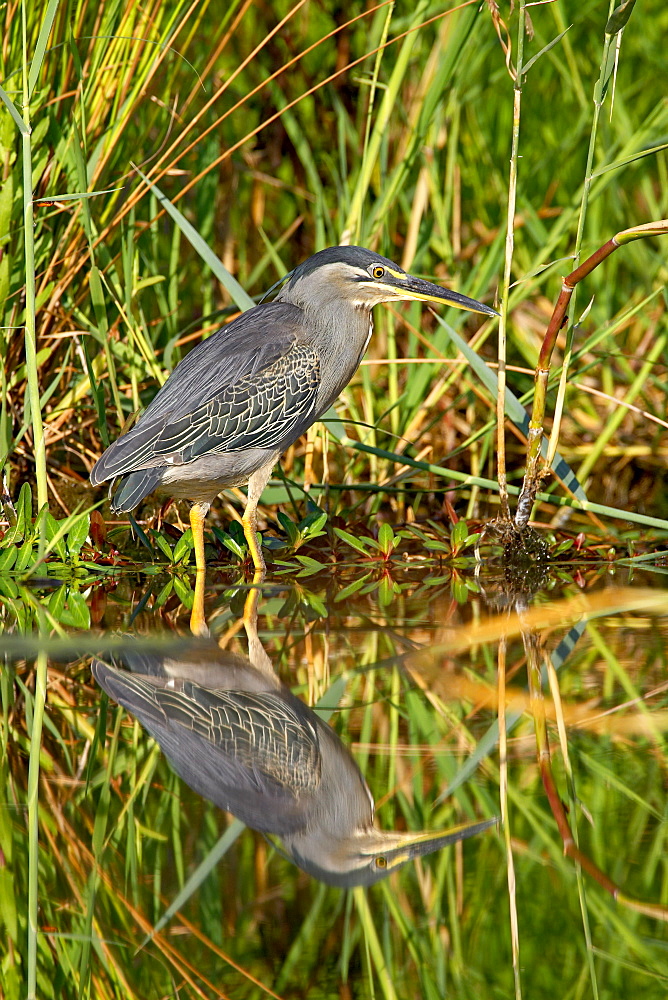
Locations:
{"points": [[240, 738]]}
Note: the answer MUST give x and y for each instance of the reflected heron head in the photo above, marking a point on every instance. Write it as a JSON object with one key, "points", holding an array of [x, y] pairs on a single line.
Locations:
{"points": [[369, 855]]}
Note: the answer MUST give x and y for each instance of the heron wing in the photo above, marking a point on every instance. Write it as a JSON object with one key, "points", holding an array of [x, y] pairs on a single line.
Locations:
{"points": [[251, 343], [223, 743], [253, 384], [258, 411], [272, 742]]}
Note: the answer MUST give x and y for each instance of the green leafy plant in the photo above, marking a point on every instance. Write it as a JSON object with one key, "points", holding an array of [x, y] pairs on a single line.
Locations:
{"points": [[309, 528], [372, 548], [30, 543]]}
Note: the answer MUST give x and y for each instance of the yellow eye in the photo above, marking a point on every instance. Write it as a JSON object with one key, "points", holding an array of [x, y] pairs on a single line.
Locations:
{"points": [[381, 862], [377, 271]]}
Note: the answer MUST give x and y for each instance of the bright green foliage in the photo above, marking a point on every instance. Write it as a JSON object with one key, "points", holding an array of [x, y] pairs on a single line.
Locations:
{"points": [[122, 839], [20, 546], [306, 530], [271, 142], [407, 151]]}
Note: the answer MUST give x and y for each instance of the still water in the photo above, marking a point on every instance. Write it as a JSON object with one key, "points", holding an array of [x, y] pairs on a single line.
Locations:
{"points": [[484, 725]]}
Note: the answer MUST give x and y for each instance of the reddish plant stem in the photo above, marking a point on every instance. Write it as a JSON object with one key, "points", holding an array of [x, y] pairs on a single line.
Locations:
{"points": [[570, 281], [571, 849], [533, 474]]}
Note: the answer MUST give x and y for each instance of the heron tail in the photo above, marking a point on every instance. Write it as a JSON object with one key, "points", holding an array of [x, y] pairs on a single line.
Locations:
{"points": [[133, 488]]}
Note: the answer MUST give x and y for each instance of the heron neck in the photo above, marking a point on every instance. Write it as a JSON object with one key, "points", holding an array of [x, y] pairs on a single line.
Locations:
{"points": [[340, 332]]}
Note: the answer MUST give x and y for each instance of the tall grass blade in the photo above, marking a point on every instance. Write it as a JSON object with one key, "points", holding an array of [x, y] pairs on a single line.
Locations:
{"points": [[42, 41], [38, 706], [238, 293]]}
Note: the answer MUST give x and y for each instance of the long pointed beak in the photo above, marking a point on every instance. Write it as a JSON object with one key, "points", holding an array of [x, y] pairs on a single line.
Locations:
{"points": [[371, 855], [399, 285], [416, 845], [426, 291]]}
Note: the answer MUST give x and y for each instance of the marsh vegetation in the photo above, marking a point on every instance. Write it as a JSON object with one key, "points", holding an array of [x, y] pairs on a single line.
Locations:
{"points": [[181, 159]]}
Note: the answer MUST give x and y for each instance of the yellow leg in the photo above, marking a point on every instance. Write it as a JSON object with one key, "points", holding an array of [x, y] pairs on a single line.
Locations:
{"points": [[249, 616], [256, 484], [249, 619], [198, 513], [256, 651], [249, 521]]}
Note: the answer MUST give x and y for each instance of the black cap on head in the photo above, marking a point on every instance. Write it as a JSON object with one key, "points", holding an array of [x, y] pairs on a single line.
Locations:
{"points": [[354, 256]]}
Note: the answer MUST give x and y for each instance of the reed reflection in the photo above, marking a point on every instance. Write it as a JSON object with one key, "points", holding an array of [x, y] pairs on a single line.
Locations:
{"points": [[239, 737]]}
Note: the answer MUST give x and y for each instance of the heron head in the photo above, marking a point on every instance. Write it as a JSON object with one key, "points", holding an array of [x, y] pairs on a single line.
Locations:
{"points": [[364, 278]]}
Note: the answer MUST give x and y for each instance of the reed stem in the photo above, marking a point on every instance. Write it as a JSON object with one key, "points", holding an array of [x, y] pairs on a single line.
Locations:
{"points": [[30, 308]]}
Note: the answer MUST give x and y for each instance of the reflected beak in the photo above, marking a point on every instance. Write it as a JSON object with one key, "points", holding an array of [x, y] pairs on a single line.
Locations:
{"points": [[370, 855], [411, 846]]}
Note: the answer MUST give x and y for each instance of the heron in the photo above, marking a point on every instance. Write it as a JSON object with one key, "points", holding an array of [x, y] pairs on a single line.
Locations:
{"points": [[243, 396], [240, 738]]}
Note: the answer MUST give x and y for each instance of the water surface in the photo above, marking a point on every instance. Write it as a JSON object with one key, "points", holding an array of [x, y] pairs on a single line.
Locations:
{"points": [[410, 687]]}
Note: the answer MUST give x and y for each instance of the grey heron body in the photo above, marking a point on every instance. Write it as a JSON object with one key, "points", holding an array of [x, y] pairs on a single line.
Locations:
{"points": [[240, 398], [241, 739]]}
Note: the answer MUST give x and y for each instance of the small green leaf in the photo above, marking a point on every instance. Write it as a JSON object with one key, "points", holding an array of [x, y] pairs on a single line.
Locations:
{"points": [[76, 612], [230, 543], [54, 535], [459, 534], [659, 228], [386, 591], [311, 566], [25, 557], [313, 524], [56, 602], [183, 592], [77, 195], [40, 46], [184, 546], [164, 594], [386, 538], [13, 536], [140, 533], [412, 531], [162, 543], [274, 544], [546, 48], [459, 591], [11, 107], [78, 534], [434, 545], [8, 558], [8, 587], [563, 547], [355, 543], [619, 17], [155, 279], [288, 527], [316, 604], [352, 588]]}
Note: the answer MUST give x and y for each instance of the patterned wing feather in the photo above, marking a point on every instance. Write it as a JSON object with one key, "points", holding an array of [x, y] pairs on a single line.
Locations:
{"points": [[261, 411], [232, 380], [260, 740]]}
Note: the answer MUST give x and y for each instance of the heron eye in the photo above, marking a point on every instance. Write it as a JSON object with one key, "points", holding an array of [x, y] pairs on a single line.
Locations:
{"points": [[381, 862], [377, 271]]}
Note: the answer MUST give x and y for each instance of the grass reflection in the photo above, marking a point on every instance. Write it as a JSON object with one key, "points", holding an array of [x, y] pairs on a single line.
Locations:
{"points": [[122, 839]]}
